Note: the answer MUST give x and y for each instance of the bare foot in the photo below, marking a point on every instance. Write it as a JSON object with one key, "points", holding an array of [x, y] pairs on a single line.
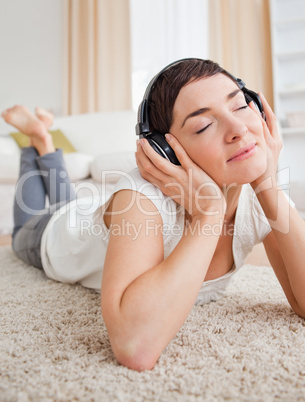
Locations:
{"points": [[45, 116], [25, 121], [29, 124]]}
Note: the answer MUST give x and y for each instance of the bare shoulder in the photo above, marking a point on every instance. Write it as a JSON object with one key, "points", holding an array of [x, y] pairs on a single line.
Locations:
{"points": [[132, 205]]}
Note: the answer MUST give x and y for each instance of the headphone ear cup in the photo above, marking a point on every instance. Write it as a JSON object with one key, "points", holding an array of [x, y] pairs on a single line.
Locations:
{"points": [[161, 146], [253, 96]]}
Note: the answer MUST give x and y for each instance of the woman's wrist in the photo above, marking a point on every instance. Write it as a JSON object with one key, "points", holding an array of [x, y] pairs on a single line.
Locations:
{"points": [[211, 213], [213, 208]]}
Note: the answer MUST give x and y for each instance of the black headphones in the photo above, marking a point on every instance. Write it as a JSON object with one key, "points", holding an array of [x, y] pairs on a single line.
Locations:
{"points": [[157, 140]]}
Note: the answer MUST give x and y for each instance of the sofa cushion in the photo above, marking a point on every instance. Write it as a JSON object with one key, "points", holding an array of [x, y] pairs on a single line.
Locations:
{"points": [[59, 140], [109, 168], [8, 146], [9, 168], [77, 163], [100, 133]]}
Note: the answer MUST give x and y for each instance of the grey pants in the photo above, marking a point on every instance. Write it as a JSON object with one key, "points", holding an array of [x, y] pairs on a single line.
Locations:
{"points": [[40, 177]]}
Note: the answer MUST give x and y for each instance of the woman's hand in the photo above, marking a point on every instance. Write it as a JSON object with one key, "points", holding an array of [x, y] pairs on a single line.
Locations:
{"points": [[273, 141], [187, 184]]}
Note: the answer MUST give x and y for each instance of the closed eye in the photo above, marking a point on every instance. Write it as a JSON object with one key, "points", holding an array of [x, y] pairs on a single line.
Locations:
{"points": [[243, 107], [203, 129]]}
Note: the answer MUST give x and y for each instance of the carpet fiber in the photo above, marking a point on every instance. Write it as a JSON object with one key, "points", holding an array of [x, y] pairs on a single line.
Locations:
{"points": [[249, 346]]}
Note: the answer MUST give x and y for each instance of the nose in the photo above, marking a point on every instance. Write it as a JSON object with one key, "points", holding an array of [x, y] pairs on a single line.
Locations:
{"points": [[235, 129]]}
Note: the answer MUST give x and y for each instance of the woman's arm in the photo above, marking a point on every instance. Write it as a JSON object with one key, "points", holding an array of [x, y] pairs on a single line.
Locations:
{"points": [[285, 245], [146, 299]]}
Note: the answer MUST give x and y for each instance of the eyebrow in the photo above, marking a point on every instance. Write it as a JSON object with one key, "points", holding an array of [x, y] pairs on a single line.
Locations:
{"points": [[206, 109]]}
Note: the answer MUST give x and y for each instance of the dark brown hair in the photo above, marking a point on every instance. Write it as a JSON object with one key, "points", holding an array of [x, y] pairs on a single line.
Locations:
{"points": [[167, 87]]}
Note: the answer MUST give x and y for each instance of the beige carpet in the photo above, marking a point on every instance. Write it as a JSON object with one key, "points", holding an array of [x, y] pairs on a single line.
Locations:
{"points": [[249, 346]]}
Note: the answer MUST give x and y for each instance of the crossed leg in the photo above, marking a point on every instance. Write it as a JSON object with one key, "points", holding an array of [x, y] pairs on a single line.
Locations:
{"points": [[42, 172]]}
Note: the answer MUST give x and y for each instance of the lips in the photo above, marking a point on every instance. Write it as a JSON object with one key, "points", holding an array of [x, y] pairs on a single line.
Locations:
{"points": [[243, 152]]}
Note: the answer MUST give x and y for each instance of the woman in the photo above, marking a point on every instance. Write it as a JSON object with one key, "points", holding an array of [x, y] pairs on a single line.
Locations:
{"points": [[159, 252]]}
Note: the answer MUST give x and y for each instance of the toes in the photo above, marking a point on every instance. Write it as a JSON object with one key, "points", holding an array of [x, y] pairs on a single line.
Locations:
{"points": [[45, 116], [6, 115], [43, 112], [18, 108]]}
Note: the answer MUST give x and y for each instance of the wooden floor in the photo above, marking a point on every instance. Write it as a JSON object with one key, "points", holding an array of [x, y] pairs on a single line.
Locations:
{"points": [[256, 257]]}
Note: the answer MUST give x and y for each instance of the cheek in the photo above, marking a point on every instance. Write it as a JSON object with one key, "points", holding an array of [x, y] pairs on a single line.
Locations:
{"points": [[256, 127], [209, 159], [203, 154]]}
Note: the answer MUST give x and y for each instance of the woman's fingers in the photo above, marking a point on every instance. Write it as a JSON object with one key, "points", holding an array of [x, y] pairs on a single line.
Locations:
{"points": [[266, 129], [181, 154], [158, 161], [162, 163], [164, 182], [150, 163], [176, 181], [270, 127], [254, 108], [270, 116], [147, 176], [266, 106]]}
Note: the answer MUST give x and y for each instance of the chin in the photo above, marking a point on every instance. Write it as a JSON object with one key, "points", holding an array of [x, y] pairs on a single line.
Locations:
{"points": [[252, 174], [247, 175], [251, 171]]}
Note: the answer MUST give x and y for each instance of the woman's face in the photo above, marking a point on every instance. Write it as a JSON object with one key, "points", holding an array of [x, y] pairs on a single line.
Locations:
{"points": [[219, 132]]}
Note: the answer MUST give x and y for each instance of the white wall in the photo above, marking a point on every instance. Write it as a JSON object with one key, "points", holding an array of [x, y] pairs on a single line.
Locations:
{"points": [[31, 70], [31, 43], [163, 31]]}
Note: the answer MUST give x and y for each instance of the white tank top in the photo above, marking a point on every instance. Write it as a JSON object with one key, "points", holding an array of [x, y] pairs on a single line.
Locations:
{"points": [[74, 245]]}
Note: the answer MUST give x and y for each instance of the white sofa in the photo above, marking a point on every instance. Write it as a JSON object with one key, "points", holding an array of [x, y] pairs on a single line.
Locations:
{"points": [[105, 142]]}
